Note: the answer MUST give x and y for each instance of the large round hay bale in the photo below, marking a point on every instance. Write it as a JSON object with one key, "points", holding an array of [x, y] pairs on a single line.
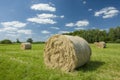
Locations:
{"points": [[26, 46], [66, 52]]}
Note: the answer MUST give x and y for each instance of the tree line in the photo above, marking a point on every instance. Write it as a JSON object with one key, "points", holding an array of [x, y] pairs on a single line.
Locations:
{"points": [[30, 40], [91, 35], [96, 35], [7, 41]]}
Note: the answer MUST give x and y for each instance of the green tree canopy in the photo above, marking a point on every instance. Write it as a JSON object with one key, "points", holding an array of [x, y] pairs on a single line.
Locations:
{"points": [[29, 40], [96, 35], [6, 41]]}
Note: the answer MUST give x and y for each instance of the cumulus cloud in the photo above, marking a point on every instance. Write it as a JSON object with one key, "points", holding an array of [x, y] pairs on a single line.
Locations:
{"points": [[13, 24], [13, 28], [43, 19], [79, 28], [107, 12], [45, 32], [90, 9], [70, 24], [84, 2], [8, 29], [11, 35], [25, 31], [80, 23], [61, 32], [45, 15], [62, 16], [43, 7], [57, 28]]}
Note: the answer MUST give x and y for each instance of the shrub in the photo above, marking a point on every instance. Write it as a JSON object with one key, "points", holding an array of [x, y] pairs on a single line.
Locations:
{"points": [[6, 41], [117, 41]]}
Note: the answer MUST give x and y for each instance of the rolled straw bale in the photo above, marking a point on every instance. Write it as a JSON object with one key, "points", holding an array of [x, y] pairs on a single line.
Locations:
{"points": [[26, 46], [96, 43], [66, 52], [101, 44]]}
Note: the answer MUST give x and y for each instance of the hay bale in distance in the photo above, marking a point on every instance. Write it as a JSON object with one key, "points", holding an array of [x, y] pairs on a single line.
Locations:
{"points": [[101, 44], [66, 52], [26, 46]]}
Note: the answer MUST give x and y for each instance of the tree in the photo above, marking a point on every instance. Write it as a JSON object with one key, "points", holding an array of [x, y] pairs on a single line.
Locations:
{"points": [[17, 40], [96, 35], [29, 40], [6, 41], [111, 34]]}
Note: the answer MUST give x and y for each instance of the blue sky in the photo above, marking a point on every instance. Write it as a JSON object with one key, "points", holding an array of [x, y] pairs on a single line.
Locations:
{"points": [[40, 19]]}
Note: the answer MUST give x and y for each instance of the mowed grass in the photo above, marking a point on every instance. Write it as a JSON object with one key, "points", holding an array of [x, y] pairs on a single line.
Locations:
{"points": [[17, 64]]}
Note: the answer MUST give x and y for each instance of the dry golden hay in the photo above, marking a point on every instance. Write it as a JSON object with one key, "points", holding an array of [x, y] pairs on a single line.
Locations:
{"points": [[101, 44], [66, 52], [95, 43], [26, 46]]}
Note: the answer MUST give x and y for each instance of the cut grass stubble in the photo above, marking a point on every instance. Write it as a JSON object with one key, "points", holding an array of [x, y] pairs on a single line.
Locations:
{"points": [[17, 64]]}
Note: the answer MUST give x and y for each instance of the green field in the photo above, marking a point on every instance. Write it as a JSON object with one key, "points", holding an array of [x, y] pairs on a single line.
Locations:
{"points": [[17, 64]]}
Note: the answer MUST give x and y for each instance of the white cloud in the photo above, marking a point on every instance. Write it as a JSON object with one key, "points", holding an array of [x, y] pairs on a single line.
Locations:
{"points": [[55, 28], [70, 24], [11, 35], [43, 19], [45, 32], [84, 2], [79, 23], [61, 32], [8, 29], [43, 7], [13, 29], [44, 16], [82, 23], [79, 28], [107, 12], [90, 9], [62, 16], [13, 24], [25, 31]]}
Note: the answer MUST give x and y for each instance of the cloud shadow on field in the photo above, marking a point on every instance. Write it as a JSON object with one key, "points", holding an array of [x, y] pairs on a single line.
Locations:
{"points": [[91, 66]]}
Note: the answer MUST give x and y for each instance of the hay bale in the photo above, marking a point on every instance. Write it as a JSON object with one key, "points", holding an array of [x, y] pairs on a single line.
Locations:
{"points": [[26, 46], [96, 43], [66, 52], [101, 44]]}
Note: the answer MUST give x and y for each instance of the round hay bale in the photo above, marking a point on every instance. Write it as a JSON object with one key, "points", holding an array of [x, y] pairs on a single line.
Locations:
{"points": [[26, 46], [101, 44], [96, 43], [66, 52]]}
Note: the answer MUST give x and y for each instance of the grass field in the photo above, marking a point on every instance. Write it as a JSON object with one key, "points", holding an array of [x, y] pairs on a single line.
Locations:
{"points": [[17, 64]]}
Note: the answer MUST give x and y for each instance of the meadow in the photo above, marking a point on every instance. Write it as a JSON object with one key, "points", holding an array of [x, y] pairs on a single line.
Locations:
{"points": [[17, 64]]}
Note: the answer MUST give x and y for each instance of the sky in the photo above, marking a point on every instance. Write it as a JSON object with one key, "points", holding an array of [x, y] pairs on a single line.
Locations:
{"points": [[40, 19]]}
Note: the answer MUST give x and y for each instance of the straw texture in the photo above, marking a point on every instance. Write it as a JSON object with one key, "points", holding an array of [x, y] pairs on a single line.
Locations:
{"points": [[26, 46], [66, 52]]}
